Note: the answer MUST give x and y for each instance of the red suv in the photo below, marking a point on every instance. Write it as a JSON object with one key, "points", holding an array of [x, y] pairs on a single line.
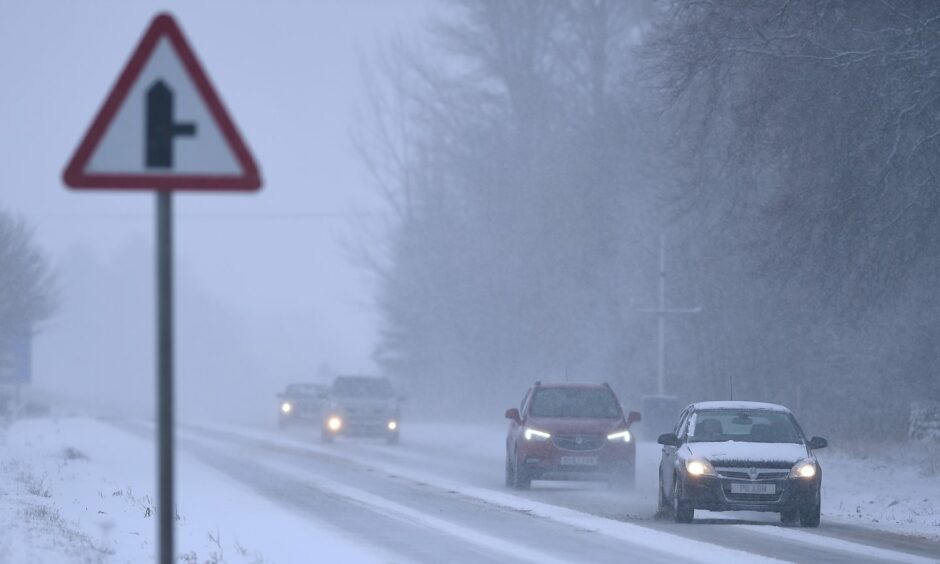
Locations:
{"points": [[570, 432]]}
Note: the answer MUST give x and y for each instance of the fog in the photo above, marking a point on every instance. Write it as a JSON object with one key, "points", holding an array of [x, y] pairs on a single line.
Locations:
{"points": [[526, 281], [536, 154], [267, 290], [467, 211]]}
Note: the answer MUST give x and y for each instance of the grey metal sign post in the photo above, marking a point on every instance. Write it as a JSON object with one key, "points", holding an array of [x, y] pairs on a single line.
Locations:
{"points": [[141, 114], [166, 509]]}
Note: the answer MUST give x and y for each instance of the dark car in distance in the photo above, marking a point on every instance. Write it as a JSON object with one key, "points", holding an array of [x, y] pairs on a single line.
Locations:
{"points": [[302, 402], [570, 432], [740, 456]]}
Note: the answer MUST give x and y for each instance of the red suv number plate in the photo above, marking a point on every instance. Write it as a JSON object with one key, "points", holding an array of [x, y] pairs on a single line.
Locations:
{"points": [[579, 461]]}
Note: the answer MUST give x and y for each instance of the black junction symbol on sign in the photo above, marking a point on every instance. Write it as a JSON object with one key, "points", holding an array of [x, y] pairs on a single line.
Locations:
{"points": [[160, 127]]}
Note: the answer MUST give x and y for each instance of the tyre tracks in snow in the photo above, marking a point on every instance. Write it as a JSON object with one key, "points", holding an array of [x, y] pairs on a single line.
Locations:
{"points": [[402, 503], [422, 521]]}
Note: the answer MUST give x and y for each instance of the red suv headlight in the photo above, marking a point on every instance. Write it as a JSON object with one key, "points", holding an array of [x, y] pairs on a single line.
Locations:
{"points": [[531, 434]]}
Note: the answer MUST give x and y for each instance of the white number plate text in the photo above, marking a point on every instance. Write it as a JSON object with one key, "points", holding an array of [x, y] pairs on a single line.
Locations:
{"points": [[753, 488]]}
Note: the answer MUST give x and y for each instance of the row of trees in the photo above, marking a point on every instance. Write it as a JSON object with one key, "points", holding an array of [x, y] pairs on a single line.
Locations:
{"points": [[806, 134], [534, 151]]}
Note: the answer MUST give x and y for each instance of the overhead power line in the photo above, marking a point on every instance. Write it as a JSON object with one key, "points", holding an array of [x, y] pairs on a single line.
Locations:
{"points": [[214, 216]]}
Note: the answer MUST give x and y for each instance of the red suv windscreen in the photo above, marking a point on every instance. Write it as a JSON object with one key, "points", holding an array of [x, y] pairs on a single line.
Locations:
{"points": [[587, 403]]}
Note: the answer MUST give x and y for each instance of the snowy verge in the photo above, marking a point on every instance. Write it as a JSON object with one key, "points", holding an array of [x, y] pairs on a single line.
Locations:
{"points": [[79, 490], [887, 490]]}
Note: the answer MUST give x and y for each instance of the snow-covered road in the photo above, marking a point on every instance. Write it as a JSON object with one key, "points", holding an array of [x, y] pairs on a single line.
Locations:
{"points": [[441, 490], [421, 515], [439, 496]]}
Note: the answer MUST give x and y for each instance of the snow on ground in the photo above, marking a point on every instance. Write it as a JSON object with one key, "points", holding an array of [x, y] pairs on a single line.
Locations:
{"points": [[685, 550], [887, 489], [79, 490], [892, 490]]}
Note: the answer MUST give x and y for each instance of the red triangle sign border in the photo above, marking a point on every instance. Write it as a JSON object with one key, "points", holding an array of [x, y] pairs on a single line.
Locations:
{"points": [[163, 26]]}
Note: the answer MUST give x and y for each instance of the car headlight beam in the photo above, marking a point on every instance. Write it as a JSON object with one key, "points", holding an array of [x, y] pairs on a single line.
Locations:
{"points": [[805, 468], [392, 425], [531, 434], [699, 467], [286, 408], [334, 423], [624, 436]]}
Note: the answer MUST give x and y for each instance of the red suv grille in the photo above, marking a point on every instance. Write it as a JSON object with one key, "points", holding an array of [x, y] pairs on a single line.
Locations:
{"points": [[578, 442]]}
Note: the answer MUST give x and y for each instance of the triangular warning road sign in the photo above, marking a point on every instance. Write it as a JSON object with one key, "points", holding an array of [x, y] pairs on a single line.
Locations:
{"points": [[163, 127]]}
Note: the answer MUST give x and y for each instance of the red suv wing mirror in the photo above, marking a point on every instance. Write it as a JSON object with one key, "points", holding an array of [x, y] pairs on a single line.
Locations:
{"points": [[513, 414], [633, 417]]}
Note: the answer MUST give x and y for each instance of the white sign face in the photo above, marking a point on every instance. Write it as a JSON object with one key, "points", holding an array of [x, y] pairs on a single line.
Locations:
{"points": [[163, 126], [122, 150]]}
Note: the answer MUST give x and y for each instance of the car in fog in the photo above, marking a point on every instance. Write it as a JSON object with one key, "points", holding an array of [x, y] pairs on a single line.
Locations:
{"points": [[301, 402], [570, 432], [734, 456], [364, 406]]}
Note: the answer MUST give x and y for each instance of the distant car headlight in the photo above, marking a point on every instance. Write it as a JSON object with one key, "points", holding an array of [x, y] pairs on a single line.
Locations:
{"points": [[805, 468], [286, 408], [392, 425], [334, 423], [624, 436], [531, 434], [699, 467]]}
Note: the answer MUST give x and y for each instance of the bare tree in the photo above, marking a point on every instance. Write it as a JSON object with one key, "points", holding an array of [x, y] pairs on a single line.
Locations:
{"points": [[804, 137], [27, 288], [505, 149]]}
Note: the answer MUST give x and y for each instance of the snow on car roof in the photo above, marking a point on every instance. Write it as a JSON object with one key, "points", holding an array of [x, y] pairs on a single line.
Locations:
{"points": [[570, 385], [739, 405]]}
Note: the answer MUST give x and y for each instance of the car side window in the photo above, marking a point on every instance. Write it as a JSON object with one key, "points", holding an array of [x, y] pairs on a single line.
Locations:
{"points": [[680, 427], [525, 402], [799, 429], [675, 430]]}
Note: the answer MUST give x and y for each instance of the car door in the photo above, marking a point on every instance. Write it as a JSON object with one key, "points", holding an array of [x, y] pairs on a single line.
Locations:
{"points": [[668, 460], [515, 428]]}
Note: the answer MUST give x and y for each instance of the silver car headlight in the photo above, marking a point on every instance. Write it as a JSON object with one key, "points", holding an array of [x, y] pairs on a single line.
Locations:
{"points": [[699, 467], [805, 468]]}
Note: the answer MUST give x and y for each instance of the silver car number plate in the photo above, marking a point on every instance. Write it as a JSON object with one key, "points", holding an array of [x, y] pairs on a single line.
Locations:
{"points": [[753, 488], [579, 460]]}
